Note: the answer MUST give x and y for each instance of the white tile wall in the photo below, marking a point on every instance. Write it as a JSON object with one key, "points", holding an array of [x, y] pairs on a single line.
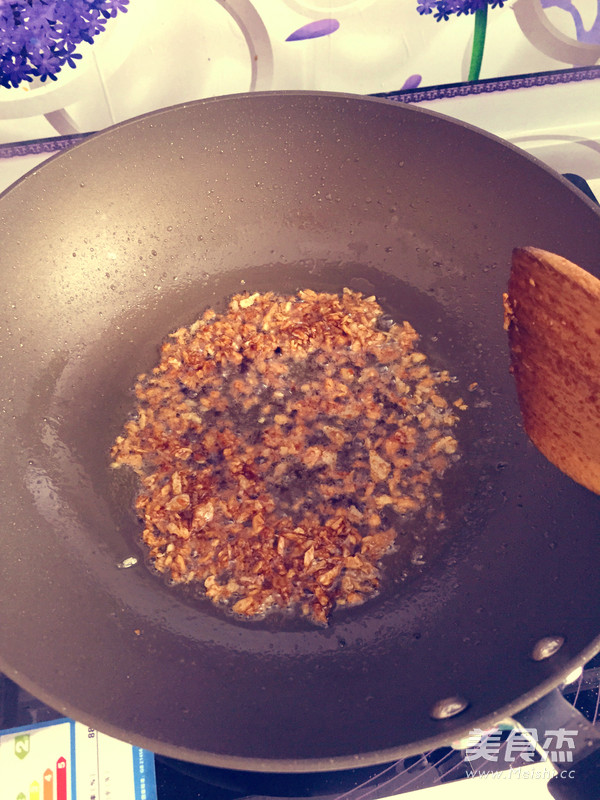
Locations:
{"points": [[162, 53]]}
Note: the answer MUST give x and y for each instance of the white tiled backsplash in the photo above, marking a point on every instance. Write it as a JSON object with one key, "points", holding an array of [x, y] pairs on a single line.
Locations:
{"points": [[162, 53]]}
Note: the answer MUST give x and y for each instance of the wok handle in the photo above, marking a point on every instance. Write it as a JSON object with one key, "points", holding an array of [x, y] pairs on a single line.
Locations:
{"points": [[578, 754], [582, 782], [581, 184]]}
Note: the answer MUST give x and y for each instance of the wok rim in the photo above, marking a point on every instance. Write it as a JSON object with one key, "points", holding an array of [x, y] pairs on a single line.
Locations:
{"points": [[316, 94], [311, 765]]}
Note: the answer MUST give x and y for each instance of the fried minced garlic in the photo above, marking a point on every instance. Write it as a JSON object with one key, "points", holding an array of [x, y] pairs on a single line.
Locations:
{"points": [[275, 441]]}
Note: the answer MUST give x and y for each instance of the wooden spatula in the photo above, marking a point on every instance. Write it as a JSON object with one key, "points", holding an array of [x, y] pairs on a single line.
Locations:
{"points": [[552, 315]]}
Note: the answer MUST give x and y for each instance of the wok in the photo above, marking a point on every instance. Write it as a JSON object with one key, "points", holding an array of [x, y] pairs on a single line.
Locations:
{"points": [[131, 234]]}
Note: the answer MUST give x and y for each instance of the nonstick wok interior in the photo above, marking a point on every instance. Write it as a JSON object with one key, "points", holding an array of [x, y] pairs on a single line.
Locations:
{"points": [[107, 248]]}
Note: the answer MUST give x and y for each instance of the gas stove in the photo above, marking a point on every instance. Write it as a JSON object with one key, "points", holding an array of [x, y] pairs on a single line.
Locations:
{"points": [[558, 123]]}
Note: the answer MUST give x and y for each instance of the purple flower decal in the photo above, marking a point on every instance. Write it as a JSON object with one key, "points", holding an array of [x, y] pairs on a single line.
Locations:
{"points": [[46, 65], [313, 30], [426, 6], [411, 82], [38, 37], [68, 54], [15, 70], [443, 9], [591, 35]]}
